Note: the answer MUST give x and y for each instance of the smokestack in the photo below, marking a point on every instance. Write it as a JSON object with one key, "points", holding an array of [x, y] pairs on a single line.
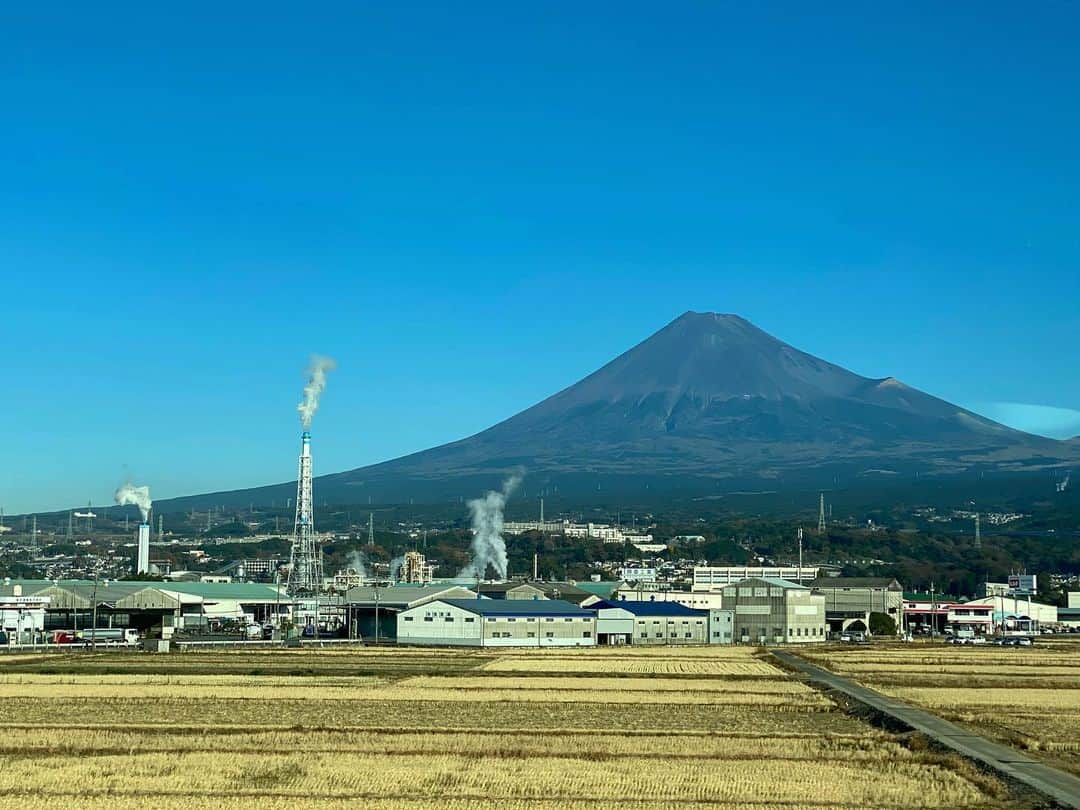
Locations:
{"points": [[142, 565]]}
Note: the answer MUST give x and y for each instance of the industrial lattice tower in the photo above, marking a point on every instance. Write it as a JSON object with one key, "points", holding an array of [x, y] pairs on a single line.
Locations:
{"points": [[305, 559]]}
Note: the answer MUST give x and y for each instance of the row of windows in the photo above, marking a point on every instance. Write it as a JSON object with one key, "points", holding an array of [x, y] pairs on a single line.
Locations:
{"points": [[793, 632], [661, 635], [670, 621], [468, 619], [449, 618], [531, 634]]}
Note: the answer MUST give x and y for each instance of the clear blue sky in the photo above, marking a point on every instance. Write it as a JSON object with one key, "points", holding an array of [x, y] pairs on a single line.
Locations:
{"points": [[471, 206]]}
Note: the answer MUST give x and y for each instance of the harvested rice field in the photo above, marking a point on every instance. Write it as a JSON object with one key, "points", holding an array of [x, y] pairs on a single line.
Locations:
{"points": [[1027, 697], [418, 729]]}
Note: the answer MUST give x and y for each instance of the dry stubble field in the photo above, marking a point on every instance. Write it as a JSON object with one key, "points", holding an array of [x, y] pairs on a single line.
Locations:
{"points": [[406, 728], [1028, 697]]}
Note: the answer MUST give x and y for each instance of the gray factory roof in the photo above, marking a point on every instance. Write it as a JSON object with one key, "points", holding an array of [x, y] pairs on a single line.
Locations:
{"points": [[888, 583], [519, 607], [402, 596], [775, 582], [83, 591]]}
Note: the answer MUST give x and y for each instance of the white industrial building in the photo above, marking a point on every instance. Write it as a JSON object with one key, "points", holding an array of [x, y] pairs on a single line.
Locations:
{"points": [[700, 600], [649, 623], [22, 618], [497, 623], [774, 611], [715, 577], [1014, 612]]}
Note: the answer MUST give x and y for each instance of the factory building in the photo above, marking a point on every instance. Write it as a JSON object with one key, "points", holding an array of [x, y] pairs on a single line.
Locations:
{"points": [[649, 623], [775, 611], [567, 591], [1017, 612], [721, 627], [925, 614], [371, 612], [849, 601], [698, 600], [715, 577], [152, 608], [497, 623], [22, 618]]}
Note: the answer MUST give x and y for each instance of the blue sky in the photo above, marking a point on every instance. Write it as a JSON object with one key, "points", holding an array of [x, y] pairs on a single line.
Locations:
{"points": [[471, 206]]}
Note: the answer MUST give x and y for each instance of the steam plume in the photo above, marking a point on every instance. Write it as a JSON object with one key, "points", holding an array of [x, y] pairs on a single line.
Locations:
{"points": [[317, 371], [359, 564], [139, 496], [394, 574], [488, 547]]}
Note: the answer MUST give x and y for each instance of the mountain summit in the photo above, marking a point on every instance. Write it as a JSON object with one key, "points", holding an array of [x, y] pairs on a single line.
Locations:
{"points": [[708, 399]]}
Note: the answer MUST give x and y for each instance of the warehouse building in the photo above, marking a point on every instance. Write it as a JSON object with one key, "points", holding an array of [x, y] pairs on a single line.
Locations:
{"points": [[849, 601], [775, 611], [152, 608], [695, 600], [649, 623], [371, 612], [497, 623], [715, 577]]}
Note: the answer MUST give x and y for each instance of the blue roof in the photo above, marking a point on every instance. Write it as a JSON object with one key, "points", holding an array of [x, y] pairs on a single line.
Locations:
{"points": [[517, 607], [649, 608]]}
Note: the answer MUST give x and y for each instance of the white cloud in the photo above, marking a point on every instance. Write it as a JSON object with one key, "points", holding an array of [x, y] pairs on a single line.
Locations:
{"points": [[1044, 420]]}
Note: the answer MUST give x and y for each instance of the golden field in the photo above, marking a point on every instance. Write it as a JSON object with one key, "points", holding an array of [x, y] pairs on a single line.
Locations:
{"points": [[1026, 697], [425, 729]]}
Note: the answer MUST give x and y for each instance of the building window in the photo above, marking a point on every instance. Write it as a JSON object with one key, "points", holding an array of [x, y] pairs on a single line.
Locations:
{"points": [[549, 634], [408, 618], [644, 635], [511, 620], [428, 619], [567, 620], [549, 620], [586, 634], [470, 619], [449, 618], [532, 634], [689, 635]]}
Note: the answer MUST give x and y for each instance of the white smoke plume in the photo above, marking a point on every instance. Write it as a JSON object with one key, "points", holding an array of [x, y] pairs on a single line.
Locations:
{"points": [[139, 496], [358, 563], [395, 568], [317, 371], [488, 547]]}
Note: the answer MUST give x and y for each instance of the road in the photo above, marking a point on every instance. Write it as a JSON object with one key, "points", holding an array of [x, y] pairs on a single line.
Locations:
{"points": [[1062, 787]]}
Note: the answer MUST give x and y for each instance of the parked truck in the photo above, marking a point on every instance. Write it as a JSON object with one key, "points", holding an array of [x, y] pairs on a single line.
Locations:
{"points": [[109, 636]]}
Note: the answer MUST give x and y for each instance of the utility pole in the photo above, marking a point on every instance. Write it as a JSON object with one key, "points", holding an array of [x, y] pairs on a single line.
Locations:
{"points": [[933, 612], [800, 556]]}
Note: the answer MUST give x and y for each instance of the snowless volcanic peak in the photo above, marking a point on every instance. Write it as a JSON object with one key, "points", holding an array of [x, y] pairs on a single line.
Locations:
{"points": [[709, 397]]}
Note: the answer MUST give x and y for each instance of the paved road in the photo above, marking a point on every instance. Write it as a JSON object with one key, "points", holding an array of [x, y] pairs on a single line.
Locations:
{"points": [[1058, 785]]}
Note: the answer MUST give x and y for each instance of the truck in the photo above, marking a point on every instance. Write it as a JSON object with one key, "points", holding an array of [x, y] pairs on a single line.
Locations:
{"points": [[109, 636]]}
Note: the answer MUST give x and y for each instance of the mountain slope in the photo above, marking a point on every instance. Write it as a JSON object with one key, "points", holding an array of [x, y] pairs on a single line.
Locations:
{"points": [[708, 398]]}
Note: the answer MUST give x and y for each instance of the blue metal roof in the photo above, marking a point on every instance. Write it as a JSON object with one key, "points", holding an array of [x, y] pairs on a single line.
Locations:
{"points": [[649, 608], [517, 607]]}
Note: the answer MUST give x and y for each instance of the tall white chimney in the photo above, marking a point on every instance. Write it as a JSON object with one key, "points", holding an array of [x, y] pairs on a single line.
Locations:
{"points": [[143, 564]]}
